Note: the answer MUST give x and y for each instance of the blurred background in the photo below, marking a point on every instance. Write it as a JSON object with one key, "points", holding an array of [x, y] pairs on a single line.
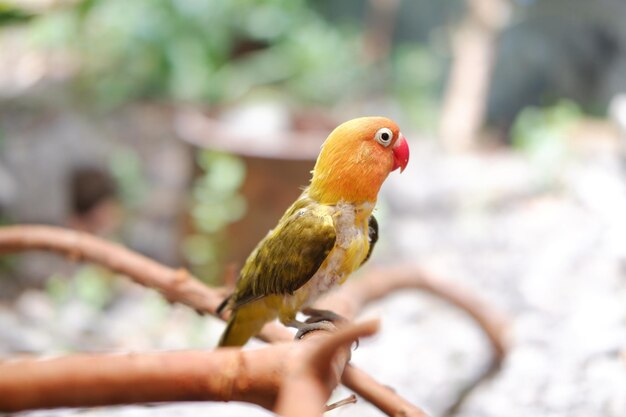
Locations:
{"points": [[184, 128]]}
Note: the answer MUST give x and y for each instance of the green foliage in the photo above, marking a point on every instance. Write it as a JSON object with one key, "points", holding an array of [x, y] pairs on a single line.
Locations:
{"points": [[10, 14], [221, 51], [205, 50], [542, 134], [91, 285], [216, 204], [125, 166], [537, 130], [417, 80]]}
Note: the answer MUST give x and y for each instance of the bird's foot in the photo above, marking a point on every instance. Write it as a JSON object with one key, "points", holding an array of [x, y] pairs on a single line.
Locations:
{"points": [[321, 320], [307, 327], [315, 316]]}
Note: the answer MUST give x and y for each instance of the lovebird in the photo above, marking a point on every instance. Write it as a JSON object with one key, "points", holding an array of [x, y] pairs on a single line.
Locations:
{"points": [[326, 234]]}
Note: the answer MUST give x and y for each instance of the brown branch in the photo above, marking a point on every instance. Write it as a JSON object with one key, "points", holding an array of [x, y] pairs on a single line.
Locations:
{"points": [[352, 297], [380, 396], [351, 399], [356, 293], [360, 382], [310, 382], [175, 285], [178, 285], [98, 379], [314, 366]]}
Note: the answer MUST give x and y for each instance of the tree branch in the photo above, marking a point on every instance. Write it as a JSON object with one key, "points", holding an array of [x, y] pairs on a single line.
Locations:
{"points": [[310, 369], [355, 294], [380, 396], [105, 379], [180, 286], [350, 299], [310, 381], [175, 285]]}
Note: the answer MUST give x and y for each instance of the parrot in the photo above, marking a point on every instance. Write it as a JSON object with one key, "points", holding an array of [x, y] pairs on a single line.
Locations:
{"points": [[324, 236]]}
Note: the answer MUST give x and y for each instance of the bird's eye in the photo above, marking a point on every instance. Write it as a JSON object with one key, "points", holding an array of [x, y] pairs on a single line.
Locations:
{"points": [[384, 136]]}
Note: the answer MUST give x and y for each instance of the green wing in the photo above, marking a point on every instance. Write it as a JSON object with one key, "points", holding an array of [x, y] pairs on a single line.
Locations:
{"points": [[288, 257]]}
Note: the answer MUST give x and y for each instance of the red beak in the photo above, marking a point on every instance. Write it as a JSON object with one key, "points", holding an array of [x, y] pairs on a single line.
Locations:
{"points": [[400, 153]]}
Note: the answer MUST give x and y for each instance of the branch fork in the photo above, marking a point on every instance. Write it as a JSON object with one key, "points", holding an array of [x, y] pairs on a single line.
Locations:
{"points": [[298, 386]]}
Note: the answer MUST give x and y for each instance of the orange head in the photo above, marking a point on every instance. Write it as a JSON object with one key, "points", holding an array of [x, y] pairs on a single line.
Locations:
{"points": [[355, 160]]}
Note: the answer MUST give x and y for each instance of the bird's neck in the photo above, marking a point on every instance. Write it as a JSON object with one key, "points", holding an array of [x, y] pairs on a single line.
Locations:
{"points": [[346, 183], [361, 212]]}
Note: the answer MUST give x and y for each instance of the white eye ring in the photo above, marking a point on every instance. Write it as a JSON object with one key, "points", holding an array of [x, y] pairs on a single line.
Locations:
{"points": [[384, 136]]}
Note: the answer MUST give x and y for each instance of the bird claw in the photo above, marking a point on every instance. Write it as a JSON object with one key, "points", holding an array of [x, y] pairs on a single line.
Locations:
{"points": [[316, 316], [311, 327], [322, 320]]}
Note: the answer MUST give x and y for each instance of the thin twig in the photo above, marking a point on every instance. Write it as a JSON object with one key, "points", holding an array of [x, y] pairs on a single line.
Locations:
{"points": [[176, 285], [316, 369], [380, 396], [351, 399], [355, 294]]}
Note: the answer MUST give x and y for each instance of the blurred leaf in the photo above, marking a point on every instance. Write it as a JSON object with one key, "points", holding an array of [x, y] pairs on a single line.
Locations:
{"points": [[202, 50], [223, 172], [220, 51], [212, 216], [55, 29], [417, 81], [216, 204], [93, 285], [10, 14], [58, 288], [199, 249], [542, 134], [125, 167], [537, 128]]}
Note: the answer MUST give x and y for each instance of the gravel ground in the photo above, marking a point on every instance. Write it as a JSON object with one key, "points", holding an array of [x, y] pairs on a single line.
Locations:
{"points": [[548, 246]]}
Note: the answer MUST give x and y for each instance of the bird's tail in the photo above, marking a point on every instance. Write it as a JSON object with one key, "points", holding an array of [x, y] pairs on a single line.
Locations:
{"points": [[244, 323]]}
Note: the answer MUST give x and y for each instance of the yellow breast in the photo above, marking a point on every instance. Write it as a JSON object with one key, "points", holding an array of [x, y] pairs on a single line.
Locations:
{"points": [[351, 247]]}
